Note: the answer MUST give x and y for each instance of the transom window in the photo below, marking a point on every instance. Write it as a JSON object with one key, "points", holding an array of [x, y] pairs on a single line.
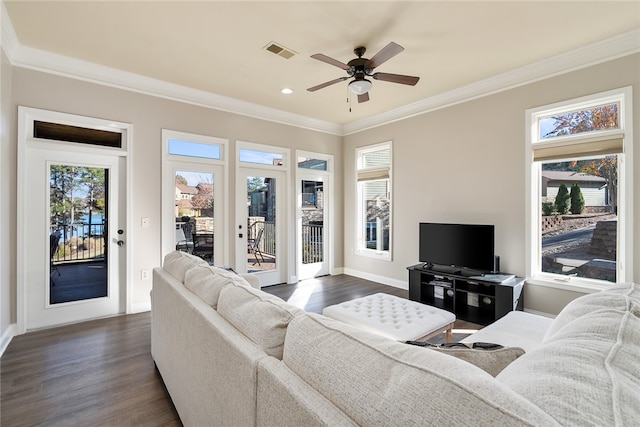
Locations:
{"points": [[580, 196], [261, 157]]}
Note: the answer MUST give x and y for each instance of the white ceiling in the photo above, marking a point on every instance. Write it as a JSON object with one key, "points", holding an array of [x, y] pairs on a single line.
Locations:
{"points": [[217, 47]]}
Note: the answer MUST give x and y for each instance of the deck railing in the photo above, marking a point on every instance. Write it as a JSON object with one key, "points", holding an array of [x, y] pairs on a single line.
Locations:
{"points": [[81, 242], [311, 244], [312, 249]]}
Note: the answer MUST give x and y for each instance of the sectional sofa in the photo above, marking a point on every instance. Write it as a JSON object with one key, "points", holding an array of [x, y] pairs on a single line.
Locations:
{"points": [[231, 354]]}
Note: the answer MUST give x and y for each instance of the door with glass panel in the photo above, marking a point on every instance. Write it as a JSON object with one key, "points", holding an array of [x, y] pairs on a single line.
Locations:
{"points": [[193, 197], [71, 224], [72, 264], [313, 189], [262, 220]]}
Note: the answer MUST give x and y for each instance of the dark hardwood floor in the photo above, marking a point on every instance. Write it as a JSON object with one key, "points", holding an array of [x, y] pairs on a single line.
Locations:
{"points": [[97, 373], [100, 373]]}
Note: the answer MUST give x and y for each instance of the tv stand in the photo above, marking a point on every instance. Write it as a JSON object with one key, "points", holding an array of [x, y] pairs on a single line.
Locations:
{"points": [[473, 299]]}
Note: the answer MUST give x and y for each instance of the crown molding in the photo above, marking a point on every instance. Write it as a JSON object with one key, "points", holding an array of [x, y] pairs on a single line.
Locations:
{"points": [[25, 57], [603, 51]]}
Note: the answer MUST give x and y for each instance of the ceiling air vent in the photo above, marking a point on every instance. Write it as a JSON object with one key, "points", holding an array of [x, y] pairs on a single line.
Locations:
{"points": [[279, 50]]}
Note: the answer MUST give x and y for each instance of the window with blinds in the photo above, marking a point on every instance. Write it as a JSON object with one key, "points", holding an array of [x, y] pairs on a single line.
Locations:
{"points": [[579, 190]]}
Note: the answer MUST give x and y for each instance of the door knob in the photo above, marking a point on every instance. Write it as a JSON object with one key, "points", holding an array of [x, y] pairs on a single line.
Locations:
{"points": [[120, 242]]}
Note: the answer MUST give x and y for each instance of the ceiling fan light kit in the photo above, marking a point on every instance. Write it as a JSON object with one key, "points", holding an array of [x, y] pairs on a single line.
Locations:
{"points": [[359, 68], [360, 86]]}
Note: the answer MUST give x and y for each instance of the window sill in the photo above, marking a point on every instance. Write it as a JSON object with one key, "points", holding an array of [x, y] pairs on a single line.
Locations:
{"points": [[368, 253], [572, 284]]}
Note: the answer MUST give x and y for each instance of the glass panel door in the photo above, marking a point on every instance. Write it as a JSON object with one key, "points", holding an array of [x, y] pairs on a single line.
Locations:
{"points": [[195, 213], [261, 225], [312, 219]]}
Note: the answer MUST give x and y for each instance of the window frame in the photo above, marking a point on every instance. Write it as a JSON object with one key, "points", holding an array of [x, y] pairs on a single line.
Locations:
{"points": [[364, 174], [573, 142]]}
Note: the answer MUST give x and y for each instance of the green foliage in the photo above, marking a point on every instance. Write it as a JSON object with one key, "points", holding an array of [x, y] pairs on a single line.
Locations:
{"points": [[563, 200], [577, 199], [548, 208]]}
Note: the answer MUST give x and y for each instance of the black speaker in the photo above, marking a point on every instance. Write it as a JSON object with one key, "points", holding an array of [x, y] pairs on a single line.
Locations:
{"points": [[496, 264]]}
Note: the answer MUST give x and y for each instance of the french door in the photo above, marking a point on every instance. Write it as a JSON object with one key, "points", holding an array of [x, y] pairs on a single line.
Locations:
{"points": [[72, 230], [193, 210], [261, 224], [73, 239], [312, 225]]}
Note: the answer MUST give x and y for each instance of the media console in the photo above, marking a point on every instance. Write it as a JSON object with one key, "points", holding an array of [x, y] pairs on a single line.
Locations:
{"points": [[473, 299]]}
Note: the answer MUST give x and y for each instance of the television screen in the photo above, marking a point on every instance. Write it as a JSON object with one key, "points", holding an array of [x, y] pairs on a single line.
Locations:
{"points": [[460, 245]]}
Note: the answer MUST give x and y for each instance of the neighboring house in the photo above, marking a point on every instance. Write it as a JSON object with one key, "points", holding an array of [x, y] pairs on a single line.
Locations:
{"points": [[594, 188], [184, 194]]}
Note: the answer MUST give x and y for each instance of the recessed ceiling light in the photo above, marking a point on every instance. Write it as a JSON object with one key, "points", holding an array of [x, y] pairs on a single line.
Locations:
{"points": [[286, 91]]}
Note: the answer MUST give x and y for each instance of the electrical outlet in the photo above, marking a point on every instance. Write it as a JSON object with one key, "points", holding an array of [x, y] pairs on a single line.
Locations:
{"points": [[144, 274]]}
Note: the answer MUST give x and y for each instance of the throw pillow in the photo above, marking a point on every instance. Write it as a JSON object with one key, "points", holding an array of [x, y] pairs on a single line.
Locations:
{"points": [[492, 358]]}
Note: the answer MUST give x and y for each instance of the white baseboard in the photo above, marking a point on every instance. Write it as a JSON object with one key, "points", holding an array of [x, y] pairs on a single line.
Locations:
{"points": [[140, 307], [337, 271], [6, 338], [375, 278]]}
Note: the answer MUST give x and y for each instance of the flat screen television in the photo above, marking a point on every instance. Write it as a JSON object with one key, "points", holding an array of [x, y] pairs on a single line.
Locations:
{"points": [[469, 246]]}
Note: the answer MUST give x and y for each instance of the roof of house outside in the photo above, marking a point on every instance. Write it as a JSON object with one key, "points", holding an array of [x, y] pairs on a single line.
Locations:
{"points": [[571, 176], [185, 189]]}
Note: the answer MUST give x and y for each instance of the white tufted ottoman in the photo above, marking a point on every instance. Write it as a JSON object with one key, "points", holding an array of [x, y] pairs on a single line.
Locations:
{"points": [[393, 317]]}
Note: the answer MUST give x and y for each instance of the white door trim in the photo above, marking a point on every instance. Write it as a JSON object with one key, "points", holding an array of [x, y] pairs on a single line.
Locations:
{"points": [[26, 117]]}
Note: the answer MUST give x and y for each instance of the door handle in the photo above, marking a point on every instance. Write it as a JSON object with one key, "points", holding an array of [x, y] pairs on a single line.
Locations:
{"points": [[120, 242]]}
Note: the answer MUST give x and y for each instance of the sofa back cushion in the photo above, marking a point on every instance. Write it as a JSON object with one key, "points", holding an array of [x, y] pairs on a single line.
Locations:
{"points": [[207, 282], [614, 297], [262, 317], [586, 370], [177, 263], [378, 381]]}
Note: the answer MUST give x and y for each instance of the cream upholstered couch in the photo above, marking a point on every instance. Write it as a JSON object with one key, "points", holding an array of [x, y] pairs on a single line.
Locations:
{"points": [[231, 354]]}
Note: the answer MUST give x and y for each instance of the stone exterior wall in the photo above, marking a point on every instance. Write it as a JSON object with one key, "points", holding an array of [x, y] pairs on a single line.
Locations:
{"points": [[604, 240]]}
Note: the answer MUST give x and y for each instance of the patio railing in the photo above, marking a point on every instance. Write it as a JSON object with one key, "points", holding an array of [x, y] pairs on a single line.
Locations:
{"points": [[80, 242]]}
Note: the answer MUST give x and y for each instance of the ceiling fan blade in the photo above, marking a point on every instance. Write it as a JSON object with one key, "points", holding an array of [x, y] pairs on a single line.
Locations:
{"points": [[330, 61], [329, 83], [396, 78], [387, 52], [364, 97]]}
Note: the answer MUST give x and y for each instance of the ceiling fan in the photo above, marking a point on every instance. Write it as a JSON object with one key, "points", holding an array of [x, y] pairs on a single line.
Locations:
{"points": [[360, 68]]}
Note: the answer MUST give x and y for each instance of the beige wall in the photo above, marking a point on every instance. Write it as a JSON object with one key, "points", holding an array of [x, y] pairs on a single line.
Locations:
{"points": [[466, 163], [149, 115]]}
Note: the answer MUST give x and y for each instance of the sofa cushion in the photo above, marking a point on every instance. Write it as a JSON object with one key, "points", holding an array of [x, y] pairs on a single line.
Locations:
{"points": [[262, 317], [177, 263], [614, 297], [207, 282], [516, 329], [591, 360], [378, 381], [491, 361]]}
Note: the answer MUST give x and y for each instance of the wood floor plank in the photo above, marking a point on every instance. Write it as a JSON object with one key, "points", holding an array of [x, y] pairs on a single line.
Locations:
{"points": [[100, 373], [96, 373]]}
